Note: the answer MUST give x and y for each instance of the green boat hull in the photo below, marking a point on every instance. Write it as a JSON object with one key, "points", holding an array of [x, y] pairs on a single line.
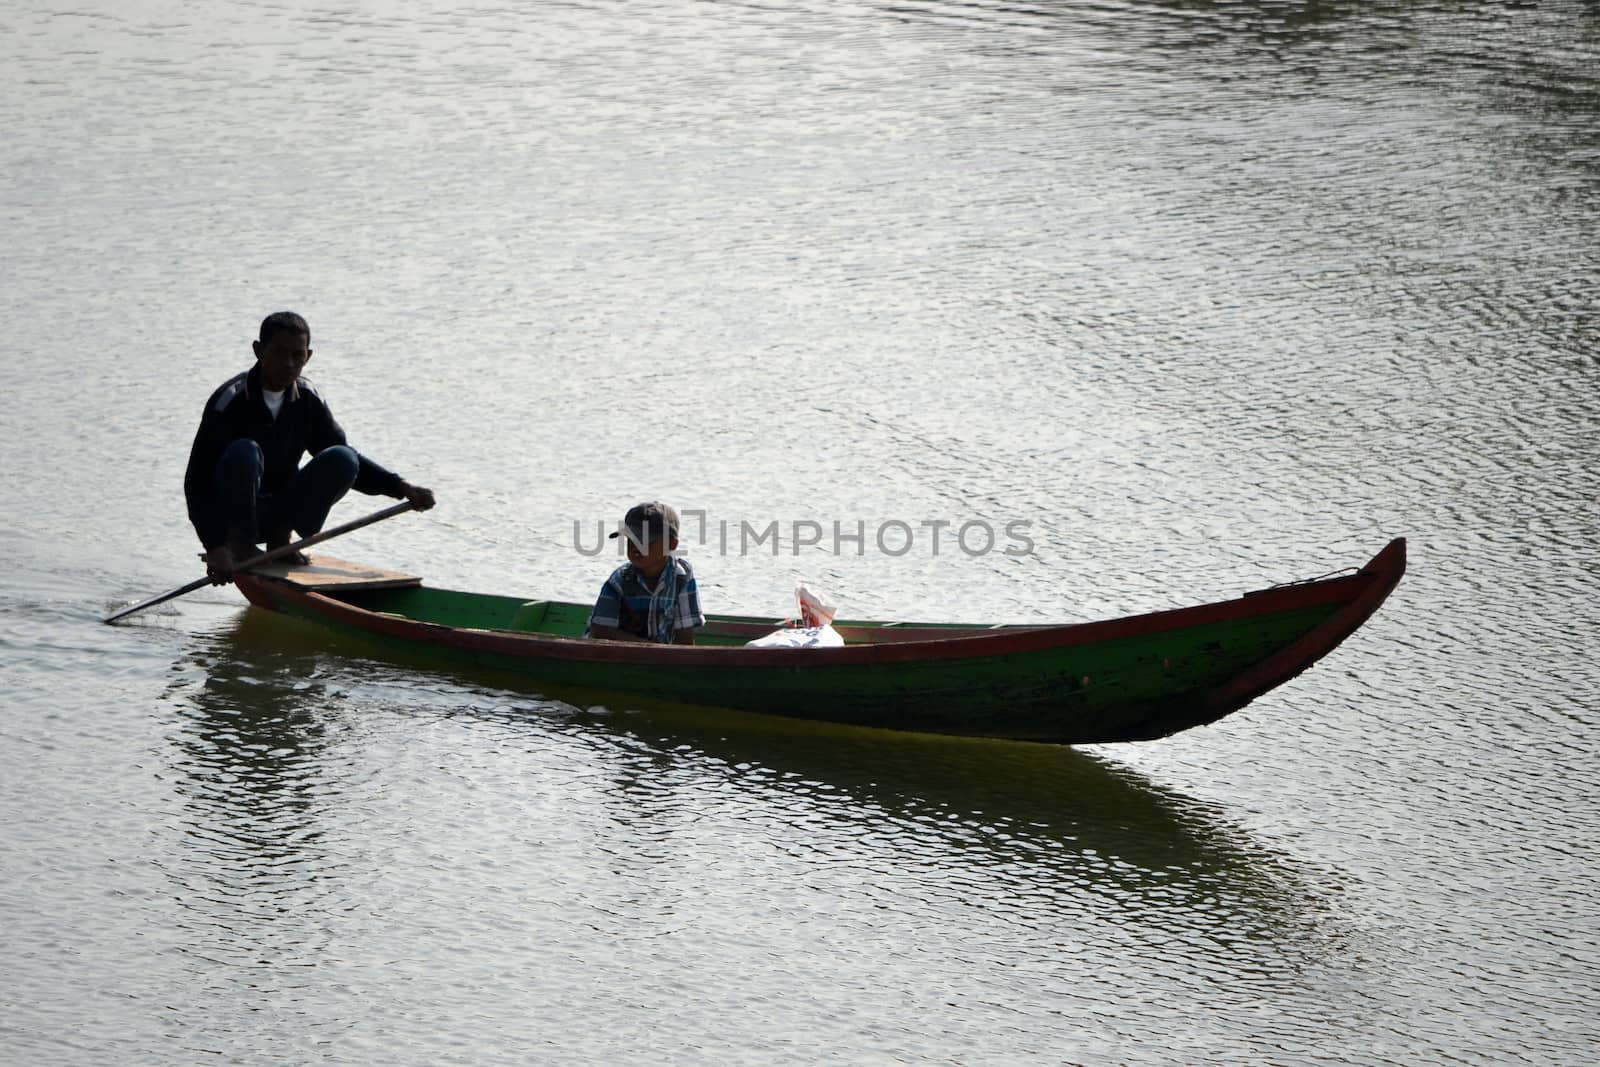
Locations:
{"points": [[1136, 678]]}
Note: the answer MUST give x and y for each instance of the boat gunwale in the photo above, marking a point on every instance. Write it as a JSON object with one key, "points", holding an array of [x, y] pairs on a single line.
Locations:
{"points": [[1359, 595], [1386, 569]]}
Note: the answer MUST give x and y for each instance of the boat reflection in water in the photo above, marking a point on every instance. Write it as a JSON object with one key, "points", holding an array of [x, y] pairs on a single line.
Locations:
{"points": [[1037, 820], [1007, 817]]}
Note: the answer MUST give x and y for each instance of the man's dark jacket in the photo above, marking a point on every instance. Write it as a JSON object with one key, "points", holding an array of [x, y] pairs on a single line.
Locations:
{"points": [[304, 424]]}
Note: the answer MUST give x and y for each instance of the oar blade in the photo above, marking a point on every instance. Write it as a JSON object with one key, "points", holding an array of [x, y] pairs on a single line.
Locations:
{"points": [[153, 601]]}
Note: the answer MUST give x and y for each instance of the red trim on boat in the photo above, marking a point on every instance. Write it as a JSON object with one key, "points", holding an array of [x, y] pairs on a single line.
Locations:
{"points": [[1383, 573], [1360, 595]]}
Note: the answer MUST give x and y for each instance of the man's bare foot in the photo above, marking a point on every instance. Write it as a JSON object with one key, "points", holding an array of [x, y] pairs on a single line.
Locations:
{"points": [[293, 559]]}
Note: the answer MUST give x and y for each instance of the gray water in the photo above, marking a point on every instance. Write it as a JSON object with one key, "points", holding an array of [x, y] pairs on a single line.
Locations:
{"points": [[1205, 295]]}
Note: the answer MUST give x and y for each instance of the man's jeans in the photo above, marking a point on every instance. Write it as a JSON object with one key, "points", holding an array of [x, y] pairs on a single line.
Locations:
{"points": [[302, 505]]}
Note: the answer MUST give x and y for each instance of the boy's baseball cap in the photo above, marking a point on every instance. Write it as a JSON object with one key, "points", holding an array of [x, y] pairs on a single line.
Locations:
{"points": [[650, 521]]}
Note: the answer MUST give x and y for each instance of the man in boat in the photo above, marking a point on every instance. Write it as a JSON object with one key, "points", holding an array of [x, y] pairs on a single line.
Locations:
{"points": [[244, 484], [653, 596]]}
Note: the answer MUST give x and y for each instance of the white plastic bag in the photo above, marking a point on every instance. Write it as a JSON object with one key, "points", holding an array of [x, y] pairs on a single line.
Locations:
{"points": [[816, 609], [799, 637], [815, 630]]}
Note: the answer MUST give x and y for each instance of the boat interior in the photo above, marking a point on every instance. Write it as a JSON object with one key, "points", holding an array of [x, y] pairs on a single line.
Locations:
{"points": [[403, 595]]}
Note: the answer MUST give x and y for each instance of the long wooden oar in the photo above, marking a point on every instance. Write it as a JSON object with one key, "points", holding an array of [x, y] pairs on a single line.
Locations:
{"points": [[267, 557]]}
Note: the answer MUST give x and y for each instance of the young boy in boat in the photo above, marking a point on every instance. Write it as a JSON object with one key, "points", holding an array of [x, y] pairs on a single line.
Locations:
{"points": [[652, 597], [244, 483]]}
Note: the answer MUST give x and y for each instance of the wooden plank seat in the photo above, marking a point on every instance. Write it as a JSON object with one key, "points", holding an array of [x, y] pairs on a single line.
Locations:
{"points": [[330, 572]]}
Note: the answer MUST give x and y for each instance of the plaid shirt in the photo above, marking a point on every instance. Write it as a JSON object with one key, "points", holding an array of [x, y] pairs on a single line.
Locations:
{"points": [[628, 603]]}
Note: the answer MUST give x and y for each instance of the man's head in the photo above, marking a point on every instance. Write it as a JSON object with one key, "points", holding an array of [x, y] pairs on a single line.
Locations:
{"points": [[652, 532], [282, 350]]}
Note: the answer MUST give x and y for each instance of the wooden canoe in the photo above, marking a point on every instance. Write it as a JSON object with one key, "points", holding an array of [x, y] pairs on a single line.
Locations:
{"points": [[1125, 679]]}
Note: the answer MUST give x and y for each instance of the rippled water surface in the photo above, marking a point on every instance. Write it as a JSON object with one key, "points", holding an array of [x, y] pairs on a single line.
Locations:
{"points": [[1207, 295]]}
